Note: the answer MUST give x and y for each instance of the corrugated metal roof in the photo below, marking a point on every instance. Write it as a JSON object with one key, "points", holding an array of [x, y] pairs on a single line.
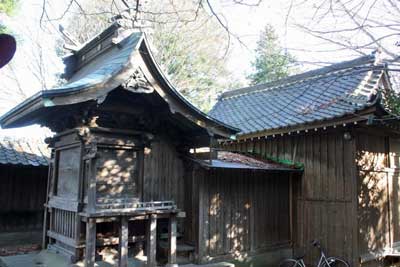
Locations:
{"points": [[30, 152], [318, 95]]}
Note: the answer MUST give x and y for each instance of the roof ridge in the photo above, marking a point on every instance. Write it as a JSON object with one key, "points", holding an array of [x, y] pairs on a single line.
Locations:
{"points": [[96, 46], [8, 138], [372, 58]]}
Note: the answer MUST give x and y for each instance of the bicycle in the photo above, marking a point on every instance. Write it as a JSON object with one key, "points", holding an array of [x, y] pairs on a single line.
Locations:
{"points": [[324, 261]]}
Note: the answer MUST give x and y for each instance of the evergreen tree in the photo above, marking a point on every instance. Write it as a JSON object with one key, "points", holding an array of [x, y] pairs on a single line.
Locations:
{"points": [[271, 62]]}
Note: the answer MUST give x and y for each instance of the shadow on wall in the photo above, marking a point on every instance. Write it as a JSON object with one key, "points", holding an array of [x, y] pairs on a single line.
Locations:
{"points": [[246, 213], [117, 174], [373, 200], [232, 235]]}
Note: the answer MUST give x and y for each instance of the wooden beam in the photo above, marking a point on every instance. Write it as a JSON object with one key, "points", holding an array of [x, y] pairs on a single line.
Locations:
{"points": [[151, 237], [123, 242], [90, 253], [172, 231], [59, 237]]}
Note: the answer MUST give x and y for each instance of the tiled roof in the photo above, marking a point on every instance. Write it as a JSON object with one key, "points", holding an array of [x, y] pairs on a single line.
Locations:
{"points": [[23, 152], [317, 95]]}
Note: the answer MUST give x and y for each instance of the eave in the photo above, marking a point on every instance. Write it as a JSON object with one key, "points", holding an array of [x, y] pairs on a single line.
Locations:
{"points": [[348, 119], [177, 102], [35, 108]]}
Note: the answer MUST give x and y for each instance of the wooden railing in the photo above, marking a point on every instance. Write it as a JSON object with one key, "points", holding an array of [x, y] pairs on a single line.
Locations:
{"points": [[63, 223]]}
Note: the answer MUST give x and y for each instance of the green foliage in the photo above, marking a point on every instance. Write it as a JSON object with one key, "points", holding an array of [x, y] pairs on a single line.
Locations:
{"points": [[392, 102], [8, 6], [271, 63], [282, 161], [286, 162], [3, 29]]}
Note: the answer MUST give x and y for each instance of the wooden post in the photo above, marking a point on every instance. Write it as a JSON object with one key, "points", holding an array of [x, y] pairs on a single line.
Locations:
{"points": [[202, 222], [172, 241], [123, 242], [252, 224], [91, 176], [91, 190], [90, 254], [45, 227], [291, 235], [77, 224], [140, 166], [151, 236], [46, 223]]}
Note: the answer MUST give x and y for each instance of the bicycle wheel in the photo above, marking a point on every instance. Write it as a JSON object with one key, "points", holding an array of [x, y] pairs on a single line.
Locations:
{"points": [[335, 262], [290, 263]]}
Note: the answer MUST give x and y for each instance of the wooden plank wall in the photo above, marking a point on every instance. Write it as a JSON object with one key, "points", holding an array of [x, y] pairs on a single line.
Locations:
{"points": [[242, 212], [22, 195], [326, 198], [163, 173], [375, 183], [394, 189]]}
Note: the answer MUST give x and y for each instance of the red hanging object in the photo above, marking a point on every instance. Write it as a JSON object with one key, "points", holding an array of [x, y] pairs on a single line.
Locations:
{"points": [[8, 46]]}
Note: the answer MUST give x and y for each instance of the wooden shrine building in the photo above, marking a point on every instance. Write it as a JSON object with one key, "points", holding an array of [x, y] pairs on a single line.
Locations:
{"points": [[122, 174], [336, 121], [116, 111]]}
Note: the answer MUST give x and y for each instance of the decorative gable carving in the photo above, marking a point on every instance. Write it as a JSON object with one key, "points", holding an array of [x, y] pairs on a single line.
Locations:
{"points": [[137, 83]]}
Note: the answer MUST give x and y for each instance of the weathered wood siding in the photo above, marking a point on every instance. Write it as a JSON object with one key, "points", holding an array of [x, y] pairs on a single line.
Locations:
{"points": [[163, 173], [22, 195], [394, 188], [326, 198], [378, 206], [240, 212]]}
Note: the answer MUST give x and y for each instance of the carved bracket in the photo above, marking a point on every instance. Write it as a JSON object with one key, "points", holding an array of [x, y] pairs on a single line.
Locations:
{"points": [[137, 83], [90, 150]]}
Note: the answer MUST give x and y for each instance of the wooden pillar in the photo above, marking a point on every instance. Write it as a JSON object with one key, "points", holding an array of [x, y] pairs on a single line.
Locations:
{"points": [[90, 254], [123, 242], [151, 237], [77, 226], [45, 240], [172, 241], [46, 224]]}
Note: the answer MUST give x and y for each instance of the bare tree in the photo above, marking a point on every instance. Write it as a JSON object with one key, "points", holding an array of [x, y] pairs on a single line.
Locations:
{"points": [[32, 67], [191, 40], [360, 26]]}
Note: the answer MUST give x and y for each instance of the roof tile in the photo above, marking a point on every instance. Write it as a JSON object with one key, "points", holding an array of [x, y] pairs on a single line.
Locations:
{"points": [[23, 152], [317, 95]]}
